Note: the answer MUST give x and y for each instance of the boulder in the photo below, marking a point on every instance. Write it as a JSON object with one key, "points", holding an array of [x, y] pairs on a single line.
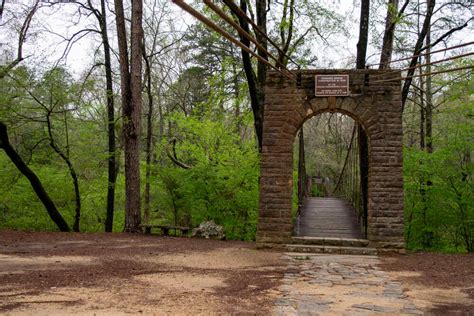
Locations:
{"points": [[209, 229]]}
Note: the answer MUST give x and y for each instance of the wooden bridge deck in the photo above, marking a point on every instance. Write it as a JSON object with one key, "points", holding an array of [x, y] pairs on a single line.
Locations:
{"points": [[328, 217]]}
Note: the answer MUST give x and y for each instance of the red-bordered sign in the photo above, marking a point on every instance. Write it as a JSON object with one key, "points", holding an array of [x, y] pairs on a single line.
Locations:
{"points": [[331, 85]]}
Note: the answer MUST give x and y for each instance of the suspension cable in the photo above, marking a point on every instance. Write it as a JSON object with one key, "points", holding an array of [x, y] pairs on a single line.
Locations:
{"points": [[239, 29], [228, 36], [346, 160], [423, 54], [237, 10], [423, 65], [426, 74]]}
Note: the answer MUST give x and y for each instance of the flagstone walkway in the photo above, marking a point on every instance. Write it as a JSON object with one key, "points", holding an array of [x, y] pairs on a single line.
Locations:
{"points": [[340, 285]]}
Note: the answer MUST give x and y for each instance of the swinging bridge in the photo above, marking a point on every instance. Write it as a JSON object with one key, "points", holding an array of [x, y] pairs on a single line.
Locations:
{"points": [[340, 217], [369, 207], [373, 217]]}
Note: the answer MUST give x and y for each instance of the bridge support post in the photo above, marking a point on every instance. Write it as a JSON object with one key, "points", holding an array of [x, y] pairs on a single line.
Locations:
{"points": [[376, 106]]}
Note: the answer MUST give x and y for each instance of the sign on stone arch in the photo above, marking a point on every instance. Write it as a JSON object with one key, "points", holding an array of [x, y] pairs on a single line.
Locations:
{"points": [[372, 101]]}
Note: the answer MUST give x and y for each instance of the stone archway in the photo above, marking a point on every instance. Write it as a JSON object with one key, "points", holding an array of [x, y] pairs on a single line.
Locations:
{"points": [[373, 103]]}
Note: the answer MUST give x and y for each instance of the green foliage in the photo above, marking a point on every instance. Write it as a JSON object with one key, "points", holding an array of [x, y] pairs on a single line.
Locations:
{"points": [[86, 142], [439, 209], [221, 183], [212, 138], [20, 208]]}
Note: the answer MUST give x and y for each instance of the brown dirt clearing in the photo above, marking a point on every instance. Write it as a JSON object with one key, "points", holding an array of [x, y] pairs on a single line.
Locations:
{"points": [[116, 274], [440, 284]]}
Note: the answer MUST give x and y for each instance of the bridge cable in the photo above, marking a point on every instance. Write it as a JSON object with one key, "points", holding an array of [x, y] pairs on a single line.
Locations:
{"points": [[226, 35], [339, 181], [238, 11], [423, 54], [423, 65], [241, 31], [348, 185], [426, 74]]}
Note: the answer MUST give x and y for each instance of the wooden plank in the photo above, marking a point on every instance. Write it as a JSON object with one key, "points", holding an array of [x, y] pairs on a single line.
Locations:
{"points": [[327, 217], [165, 228]]}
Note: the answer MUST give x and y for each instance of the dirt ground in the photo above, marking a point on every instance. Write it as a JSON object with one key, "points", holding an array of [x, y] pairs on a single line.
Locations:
{"points": [[118, 274], [440, 284]]}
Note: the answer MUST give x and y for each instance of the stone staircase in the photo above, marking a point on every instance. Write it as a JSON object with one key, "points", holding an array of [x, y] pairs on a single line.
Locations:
{"points": [[330, 245]]}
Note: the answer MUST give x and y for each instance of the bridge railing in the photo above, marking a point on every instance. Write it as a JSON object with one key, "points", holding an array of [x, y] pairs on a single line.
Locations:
{"points": [[348, 185]]}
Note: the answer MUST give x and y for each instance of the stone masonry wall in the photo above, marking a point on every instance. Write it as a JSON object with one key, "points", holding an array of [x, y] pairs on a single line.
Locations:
{"points": [[374, 105]]}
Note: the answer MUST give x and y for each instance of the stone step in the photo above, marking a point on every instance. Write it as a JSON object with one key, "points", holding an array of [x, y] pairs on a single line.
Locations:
{"points": [[330, 241], [331, 249]]}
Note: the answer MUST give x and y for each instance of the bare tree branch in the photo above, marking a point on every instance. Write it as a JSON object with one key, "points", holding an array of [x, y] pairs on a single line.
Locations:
{"points": [[173, 157], [21, 40]]}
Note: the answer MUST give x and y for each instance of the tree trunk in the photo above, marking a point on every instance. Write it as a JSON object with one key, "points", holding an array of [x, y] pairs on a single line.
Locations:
{"points": [[286, 23], [133, 125], [422, 112], [261, 69], [387, 43], [34, 180], [111, 161], [417, 51], [363, 140], [2, 5], [235, 82], [131, 105], [126, 94], [256, 82], [301, 169], [429, 96], [77, 213], [161, 121], [65, 157], [422, 128], [149, 139], [363, 34], [364, 173]]}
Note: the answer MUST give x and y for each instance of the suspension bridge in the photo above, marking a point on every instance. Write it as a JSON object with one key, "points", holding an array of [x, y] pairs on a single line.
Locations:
{"points": [[338, 221], [367, 207], [365, 211]]}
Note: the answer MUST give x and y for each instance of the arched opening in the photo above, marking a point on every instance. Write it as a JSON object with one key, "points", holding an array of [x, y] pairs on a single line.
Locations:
{"points": [[377, 108], [328, 199]]}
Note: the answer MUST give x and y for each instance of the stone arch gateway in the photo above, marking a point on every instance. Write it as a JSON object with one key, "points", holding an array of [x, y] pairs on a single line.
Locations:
{"points": [[374, 101]]}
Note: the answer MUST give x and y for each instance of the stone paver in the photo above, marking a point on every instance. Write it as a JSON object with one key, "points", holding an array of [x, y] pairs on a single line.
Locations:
{"points": [[340, 285]]}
